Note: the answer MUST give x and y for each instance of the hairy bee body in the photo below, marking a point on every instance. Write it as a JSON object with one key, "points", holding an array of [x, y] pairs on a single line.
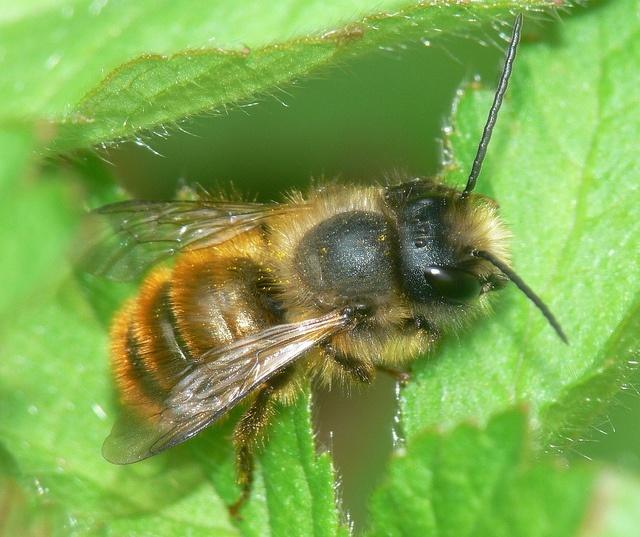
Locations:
{"points": [[337, 247]]}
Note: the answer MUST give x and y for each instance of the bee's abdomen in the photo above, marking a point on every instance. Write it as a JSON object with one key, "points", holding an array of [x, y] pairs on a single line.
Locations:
{"points": [[219, 296], [212, 297], [147, 349]]}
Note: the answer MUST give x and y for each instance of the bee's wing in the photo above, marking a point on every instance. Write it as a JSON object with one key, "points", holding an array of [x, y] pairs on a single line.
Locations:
{"points": [[126, 238], [209, 388]]}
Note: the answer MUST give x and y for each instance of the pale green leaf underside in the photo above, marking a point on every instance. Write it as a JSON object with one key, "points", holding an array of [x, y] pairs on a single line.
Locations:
{"points": [[101, 71], [563, 166]]}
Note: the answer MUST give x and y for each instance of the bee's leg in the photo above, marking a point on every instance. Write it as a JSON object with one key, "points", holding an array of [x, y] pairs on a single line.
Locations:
{"points": [[402, 377], [358, 369], [247, 434], [416, 324]]}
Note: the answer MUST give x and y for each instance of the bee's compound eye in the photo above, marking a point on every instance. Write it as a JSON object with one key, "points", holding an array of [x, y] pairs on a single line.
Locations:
{"points": [[453, 285]]}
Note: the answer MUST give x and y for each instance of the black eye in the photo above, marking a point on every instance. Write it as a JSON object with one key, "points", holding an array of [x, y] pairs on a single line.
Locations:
{"points": [[453, 285]]}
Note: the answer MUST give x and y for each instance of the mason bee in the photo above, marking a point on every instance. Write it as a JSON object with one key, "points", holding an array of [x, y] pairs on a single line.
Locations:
{"points": [[329, 285]]}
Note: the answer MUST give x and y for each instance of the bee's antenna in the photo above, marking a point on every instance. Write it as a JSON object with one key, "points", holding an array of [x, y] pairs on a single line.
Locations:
{"points": [[509, 273], [495, 107]]}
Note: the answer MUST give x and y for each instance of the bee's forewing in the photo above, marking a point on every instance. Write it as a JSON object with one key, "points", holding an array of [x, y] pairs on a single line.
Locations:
{"points": [[209, 388], [124, 239]]}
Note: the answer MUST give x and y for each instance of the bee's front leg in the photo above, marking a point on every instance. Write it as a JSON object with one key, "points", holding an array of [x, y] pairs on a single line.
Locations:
{"points": [[357, 369], [400, 376]]}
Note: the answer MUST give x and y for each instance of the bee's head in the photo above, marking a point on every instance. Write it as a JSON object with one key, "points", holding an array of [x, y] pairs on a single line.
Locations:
{"points": [[439, 232], [452, 248], [452, 245]]}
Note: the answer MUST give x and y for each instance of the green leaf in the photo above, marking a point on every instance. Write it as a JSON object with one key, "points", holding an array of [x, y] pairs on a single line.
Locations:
{"points": [[29, 200], [563, 166], [115, 68], [472, 482], [615, 506]]}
